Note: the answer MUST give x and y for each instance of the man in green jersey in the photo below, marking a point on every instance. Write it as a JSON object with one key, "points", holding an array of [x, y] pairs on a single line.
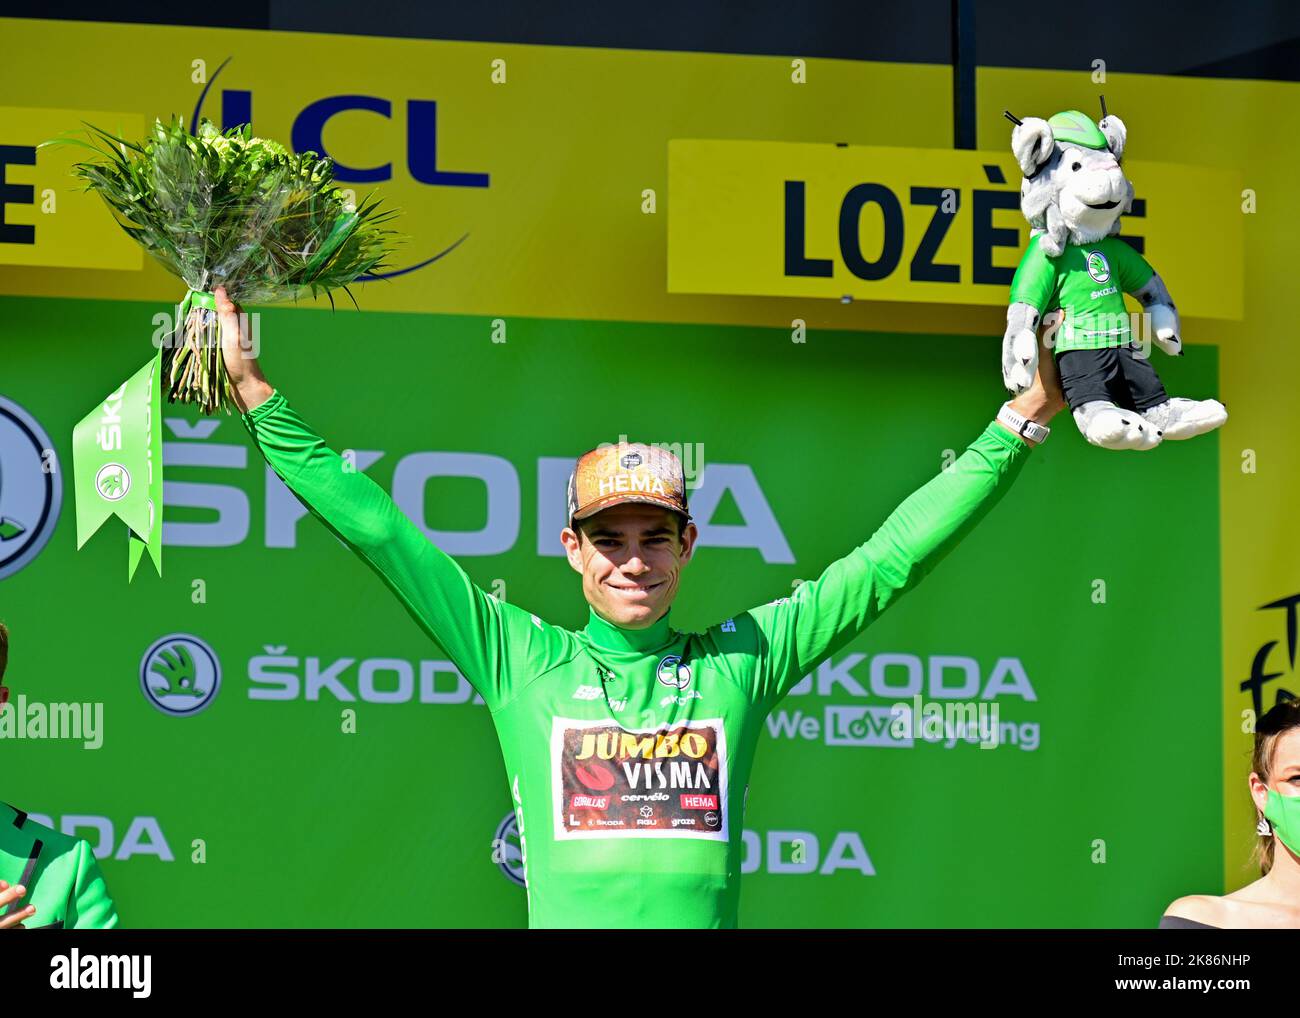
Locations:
{"points": [[48, 880], [628, 744]]}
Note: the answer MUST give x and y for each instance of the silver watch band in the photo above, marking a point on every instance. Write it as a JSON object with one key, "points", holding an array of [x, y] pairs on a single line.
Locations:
{"points": [[1022, 425]]}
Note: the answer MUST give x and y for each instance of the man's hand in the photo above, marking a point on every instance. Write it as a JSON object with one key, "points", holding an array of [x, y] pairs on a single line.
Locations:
{"points": [[1043, 400], [8, 895], [248, 385]]}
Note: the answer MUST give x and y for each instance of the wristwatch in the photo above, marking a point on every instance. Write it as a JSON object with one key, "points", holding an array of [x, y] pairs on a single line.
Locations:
{"points": [[1022, 425]]}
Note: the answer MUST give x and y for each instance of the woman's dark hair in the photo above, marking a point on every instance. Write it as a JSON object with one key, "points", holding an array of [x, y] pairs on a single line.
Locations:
{"points": [[1279, 720]]}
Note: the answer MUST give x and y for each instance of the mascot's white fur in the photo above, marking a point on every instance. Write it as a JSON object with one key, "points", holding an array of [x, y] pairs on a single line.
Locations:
{"points": [[1073, 193]]}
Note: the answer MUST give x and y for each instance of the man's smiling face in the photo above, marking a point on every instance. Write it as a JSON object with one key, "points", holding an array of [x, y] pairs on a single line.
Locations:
{"points": [[630, 557]]}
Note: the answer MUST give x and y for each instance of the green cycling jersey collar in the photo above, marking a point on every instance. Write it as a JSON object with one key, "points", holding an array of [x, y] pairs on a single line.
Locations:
{"points": [[608, 636]]}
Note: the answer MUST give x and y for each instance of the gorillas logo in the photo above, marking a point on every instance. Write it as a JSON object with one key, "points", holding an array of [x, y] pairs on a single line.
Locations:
{"points": [[31, 488], [1098, 267]]}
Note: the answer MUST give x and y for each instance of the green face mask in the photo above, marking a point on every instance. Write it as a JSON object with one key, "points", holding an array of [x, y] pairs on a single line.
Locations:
{"points": [[1283, 812]]}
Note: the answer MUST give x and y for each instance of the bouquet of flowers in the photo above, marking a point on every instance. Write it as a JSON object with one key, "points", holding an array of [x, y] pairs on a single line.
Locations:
{"points": [[236, 211], [217, 209]]}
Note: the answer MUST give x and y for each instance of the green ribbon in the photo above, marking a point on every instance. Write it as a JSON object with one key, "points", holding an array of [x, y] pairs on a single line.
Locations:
{"points": [[117, 463], [194, 299]]}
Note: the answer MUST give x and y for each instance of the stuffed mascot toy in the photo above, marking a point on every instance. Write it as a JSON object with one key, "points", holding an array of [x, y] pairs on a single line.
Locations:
{"points": [[1072, 280]]}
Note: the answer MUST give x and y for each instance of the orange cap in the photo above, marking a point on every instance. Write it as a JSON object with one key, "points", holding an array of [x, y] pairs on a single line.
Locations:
{"points": [[626, 472]]}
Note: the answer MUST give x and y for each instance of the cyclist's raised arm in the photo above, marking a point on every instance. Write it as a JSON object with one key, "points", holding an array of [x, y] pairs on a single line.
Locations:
{"points": [[479, 633], [797, 633]]}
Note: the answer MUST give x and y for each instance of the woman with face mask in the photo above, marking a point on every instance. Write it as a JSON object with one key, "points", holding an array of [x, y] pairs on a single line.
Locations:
{"points": [[1272, 901]]}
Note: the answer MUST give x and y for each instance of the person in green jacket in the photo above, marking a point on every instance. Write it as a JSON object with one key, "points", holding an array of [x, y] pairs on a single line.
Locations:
{"points": [[48, 880], [629, 744]]}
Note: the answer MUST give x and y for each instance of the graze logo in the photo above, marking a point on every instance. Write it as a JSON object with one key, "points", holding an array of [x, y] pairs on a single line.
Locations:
{"points": [[180, 674], [631, 461], [507, 850], [308, 131], [227, 497], [672, 672], [609, 781], [964, 703], [1260, 675], [112, 482], [1098, 267], [31, 488]]}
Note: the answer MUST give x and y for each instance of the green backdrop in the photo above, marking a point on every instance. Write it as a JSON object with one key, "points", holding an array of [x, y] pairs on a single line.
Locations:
{"points": [[303, 825]]}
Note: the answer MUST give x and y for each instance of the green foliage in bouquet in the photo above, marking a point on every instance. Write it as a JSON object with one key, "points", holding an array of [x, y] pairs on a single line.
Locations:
{"points": [[236, 211]]}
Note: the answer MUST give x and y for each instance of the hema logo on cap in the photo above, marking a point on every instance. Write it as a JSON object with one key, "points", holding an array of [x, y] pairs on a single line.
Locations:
{"points": [[627, 472], [631, 482]]}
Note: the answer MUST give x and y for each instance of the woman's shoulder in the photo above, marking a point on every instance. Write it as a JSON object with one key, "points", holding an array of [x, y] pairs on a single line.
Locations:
{"points": [[1249, 907], [1208, 909]]}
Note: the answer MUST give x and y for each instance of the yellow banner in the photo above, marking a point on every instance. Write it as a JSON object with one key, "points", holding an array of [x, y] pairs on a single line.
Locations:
{"points": [[531, 179], [46, 218], [921, 225]]}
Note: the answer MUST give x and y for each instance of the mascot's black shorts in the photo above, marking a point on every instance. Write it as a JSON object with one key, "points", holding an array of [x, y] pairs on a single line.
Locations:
{"points": [[1120, 375]]}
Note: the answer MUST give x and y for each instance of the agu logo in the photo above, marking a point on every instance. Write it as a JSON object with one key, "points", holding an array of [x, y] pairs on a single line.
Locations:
{"points": [[180, 674], [31, 488], [1098, 267]]}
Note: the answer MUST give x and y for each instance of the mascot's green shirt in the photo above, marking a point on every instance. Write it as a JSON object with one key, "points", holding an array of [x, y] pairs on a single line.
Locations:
{"points": [[1087, 281], [628, 752], [62, 878]]}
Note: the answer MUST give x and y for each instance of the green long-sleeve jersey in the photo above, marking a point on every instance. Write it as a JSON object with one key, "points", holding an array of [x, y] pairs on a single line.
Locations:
{"points": [[628, 752], [62, 878]]}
